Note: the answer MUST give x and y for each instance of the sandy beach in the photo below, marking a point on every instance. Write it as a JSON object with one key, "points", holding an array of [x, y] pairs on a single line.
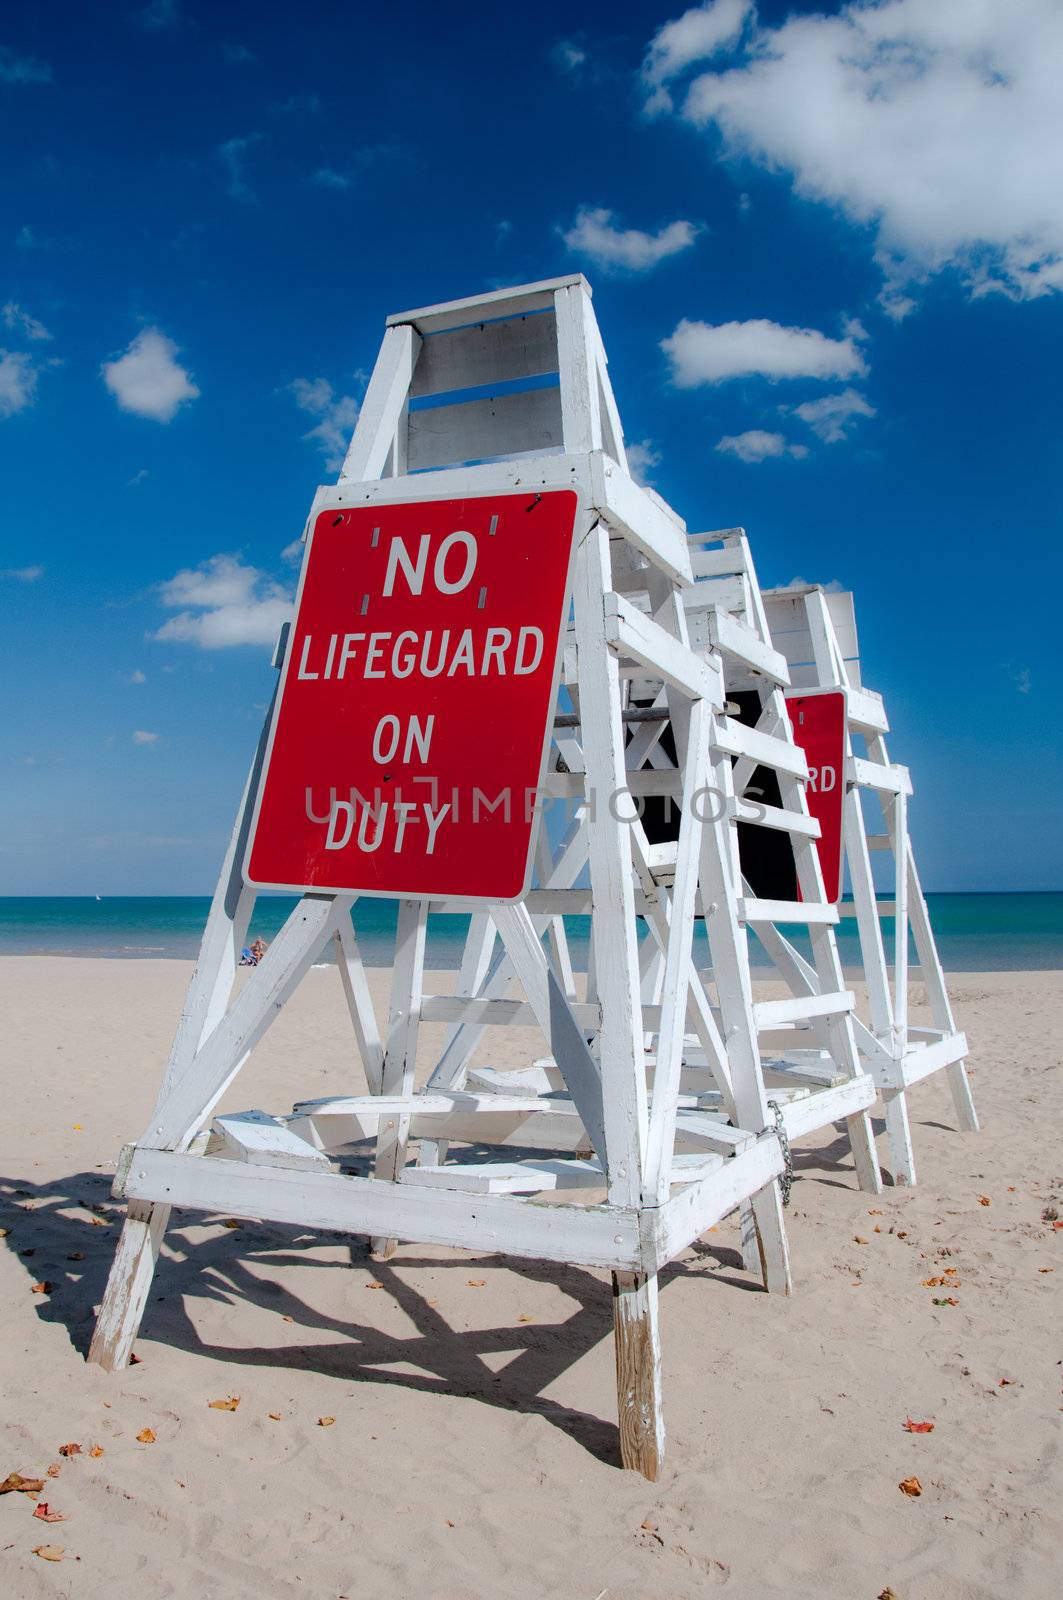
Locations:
{"points": [[444, 1425]]}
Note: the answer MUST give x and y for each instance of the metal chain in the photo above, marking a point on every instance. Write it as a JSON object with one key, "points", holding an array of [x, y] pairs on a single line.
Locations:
{"points": [[786, 1182]]}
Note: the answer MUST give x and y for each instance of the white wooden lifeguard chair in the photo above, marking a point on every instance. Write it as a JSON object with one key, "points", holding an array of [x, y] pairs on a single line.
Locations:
{"points": [[816, 631], [488, 417]]}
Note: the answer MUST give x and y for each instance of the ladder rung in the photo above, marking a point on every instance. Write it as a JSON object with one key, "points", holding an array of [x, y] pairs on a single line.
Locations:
{"points": [[879, 841], [801, 1008], [870, 775], [765, 748], [785, 911], [865, 710], [763, 816], [738, 640]]}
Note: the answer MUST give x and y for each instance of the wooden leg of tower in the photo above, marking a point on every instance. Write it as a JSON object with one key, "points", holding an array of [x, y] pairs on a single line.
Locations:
{"points": [[752, 1256], [899, 1149], [638, 1372], [962, 1099], [865, 1157], [772, 1249], [128, 1285], [400, 1051]]}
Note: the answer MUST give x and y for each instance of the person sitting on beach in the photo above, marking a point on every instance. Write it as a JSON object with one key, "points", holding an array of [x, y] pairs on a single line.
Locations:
{"points": [[252, 954]]}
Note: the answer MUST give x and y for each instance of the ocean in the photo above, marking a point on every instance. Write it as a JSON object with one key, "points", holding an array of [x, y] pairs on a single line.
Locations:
{"points": [[975, 932]]}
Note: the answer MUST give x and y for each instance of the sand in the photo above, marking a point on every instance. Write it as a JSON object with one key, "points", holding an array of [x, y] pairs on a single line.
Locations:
{"points": [[473, 1450]]}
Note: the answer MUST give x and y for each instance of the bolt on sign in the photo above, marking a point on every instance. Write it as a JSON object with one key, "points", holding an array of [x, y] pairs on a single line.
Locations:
{"points": [[416, 700]]}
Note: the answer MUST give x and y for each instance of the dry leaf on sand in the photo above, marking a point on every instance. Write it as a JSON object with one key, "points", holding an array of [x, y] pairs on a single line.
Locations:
{"points": [[984, 1200], [69, 1449], [146, 1436], [911, 1487], [44, 1287], [325, 1422], [274, 1416], [46, 1514], [97, 1451], [54, 1470], [225, 1405], [917, 1427], [49, 1552], [476, 1283], [15, 1483]]}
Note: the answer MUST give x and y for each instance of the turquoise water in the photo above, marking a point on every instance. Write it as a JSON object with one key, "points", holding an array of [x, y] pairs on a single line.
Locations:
{"points": [[975, 932]]}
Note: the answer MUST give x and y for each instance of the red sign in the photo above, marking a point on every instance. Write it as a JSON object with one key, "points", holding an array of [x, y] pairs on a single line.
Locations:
{"points": [[819, 729], [417, 698]]}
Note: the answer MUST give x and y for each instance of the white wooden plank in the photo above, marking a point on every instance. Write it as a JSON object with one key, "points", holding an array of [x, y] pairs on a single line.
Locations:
{"points": [[630, 633], [620, 1041], [757, 911], [799, 1008], [869, 775], [516, 301], [538, 1176], [593, 1236], [580, 402], [486, 353], [764, 749], [506, 424], [685, 1216], [740, 642], [499, 1013], [400, 1049], [829, 1105], [383, 407], [630, 512], [254, 1136], [360, 1004]]}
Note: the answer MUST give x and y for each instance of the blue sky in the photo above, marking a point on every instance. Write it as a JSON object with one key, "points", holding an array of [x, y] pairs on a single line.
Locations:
{"points": [[827, 252]]}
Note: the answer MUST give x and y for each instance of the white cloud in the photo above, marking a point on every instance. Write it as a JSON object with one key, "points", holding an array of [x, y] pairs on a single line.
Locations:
{"points": [[159, 14], [18, 382], [831, 417], [938, 123], [330, 178], [641, 460], [569, 55], [143, 737], [136, 676], [232, 153], [147, 380], [703, 352], [22, 69], [293, 553], [593, 234], [23, 574], [695, 36], [222, 602], [757, 445], [337, 416], [20, 321]]}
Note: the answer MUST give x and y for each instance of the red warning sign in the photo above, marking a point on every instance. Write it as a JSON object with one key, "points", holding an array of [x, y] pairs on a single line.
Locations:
{"points": [[416, 701], [819, 729]]}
